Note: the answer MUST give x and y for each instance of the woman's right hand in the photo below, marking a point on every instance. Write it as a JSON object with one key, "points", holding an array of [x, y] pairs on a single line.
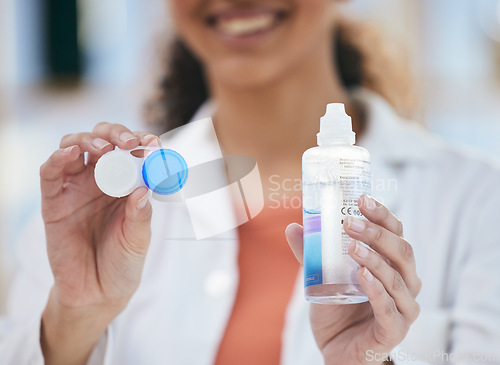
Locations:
{"points": [[96, 244]]}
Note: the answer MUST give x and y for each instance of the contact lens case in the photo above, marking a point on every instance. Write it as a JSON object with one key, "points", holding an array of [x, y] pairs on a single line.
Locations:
{"points": [[119, 172]]}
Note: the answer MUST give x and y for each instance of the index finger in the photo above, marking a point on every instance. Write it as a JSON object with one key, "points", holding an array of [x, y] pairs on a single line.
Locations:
{"points": [[377, 213], [117, 134]]}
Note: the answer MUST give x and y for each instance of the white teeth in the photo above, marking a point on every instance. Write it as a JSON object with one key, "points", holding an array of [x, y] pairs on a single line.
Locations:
{"points": [[243, 26]]}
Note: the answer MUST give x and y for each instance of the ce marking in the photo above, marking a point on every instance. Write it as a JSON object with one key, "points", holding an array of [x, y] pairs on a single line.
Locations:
{"points": [[344, 210]]}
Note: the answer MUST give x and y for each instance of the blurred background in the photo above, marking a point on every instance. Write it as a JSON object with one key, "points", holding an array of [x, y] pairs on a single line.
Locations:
{"points": [[67, 64]]}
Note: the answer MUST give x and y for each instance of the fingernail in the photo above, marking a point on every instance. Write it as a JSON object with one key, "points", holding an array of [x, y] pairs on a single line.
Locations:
{"points": [[141, 204], [367, 275], [69, 149], [370, 203], [357, 225], [153, 141], [100, 143], [361, 250], [126, 136]]}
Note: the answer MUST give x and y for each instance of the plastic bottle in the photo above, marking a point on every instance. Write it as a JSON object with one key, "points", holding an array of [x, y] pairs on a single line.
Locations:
{"points": [[334, 175]]}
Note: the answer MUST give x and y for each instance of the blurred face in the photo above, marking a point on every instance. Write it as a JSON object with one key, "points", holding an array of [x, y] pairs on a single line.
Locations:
{"points": [[251, 42]]}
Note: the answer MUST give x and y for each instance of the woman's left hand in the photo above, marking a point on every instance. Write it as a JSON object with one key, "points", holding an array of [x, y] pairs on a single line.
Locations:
{"points": [[361, 333]]}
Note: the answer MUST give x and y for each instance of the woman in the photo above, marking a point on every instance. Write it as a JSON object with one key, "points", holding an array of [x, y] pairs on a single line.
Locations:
{"points": [[270, 69]]}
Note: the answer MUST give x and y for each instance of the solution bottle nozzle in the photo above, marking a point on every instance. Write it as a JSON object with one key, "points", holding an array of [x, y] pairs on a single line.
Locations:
{"points": [[336, 126]]}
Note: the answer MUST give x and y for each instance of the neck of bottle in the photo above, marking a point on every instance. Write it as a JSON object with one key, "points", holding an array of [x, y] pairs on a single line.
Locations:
{"points": [[323, 142]]}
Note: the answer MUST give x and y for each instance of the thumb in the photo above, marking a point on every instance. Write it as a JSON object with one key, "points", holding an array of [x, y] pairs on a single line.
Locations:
{"points": [[294, 237], [137, 224]]}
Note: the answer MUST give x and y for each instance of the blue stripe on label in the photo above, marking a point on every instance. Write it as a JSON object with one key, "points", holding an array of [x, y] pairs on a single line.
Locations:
{"points": [[313, 268]]}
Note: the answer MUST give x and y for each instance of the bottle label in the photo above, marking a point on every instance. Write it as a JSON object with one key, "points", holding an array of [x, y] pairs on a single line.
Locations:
{"points": [[327, 202], [312, 251]]}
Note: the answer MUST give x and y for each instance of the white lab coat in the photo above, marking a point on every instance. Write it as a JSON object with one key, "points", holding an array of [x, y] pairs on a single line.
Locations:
{"points": [[447, 200]]}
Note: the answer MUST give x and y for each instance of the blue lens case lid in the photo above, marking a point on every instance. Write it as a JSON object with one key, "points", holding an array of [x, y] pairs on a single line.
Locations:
{"points": [[165, 171]]}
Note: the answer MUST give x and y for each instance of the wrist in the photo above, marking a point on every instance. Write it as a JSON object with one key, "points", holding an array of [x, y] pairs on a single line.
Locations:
{"points": [[68, 335], [348, 357]]}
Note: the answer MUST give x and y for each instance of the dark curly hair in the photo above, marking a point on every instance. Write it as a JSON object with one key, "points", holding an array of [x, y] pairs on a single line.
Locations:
{"points": [[363, 58]]}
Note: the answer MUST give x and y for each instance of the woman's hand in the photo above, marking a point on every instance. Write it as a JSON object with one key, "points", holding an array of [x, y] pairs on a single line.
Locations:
{"points": [[360, 333], [96, 244]]}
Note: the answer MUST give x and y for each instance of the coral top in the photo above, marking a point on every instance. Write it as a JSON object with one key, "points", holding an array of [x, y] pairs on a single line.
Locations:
{"points": [[268, 271]]}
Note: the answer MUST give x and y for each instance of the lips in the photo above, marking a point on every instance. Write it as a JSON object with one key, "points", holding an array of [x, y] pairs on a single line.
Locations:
{"points": [[244, 23]]}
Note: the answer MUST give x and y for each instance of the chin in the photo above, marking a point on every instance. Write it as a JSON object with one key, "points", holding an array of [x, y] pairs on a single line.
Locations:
{"points": [[250, 74]]}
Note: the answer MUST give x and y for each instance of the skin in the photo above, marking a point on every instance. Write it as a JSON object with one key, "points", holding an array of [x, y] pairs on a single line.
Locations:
{"points": [[345, 333], [96, 244], [264, 93]]}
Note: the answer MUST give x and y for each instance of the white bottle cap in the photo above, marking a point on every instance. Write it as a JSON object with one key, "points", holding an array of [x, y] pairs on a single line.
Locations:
{"points": [[118, 173], [336, 126]]}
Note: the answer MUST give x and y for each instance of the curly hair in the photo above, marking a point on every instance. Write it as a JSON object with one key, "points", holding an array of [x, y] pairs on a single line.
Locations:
{"points": [[364, 58]]}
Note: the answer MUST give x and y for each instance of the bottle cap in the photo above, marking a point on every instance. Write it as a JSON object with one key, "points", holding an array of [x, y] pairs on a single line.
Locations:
{"points": [[336, 126], [118, 173]]}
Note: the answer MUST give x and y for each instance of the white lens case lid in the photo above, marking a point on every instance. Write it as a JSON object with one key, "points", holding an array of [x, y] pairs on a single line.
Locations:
{"points": [[118, 173]]}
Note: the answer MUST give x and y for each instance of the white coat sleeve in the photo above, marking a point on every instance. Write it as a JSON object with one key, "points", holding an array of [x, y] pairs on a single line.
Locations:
{"points": [[470, 326], [475, 331], [28, 294], [474, 314]]}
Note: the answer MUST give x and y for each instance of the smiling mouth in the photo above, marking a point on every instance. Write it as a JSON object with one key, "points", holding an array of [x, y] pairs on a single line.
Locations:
{"points": [[245, 23]]}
